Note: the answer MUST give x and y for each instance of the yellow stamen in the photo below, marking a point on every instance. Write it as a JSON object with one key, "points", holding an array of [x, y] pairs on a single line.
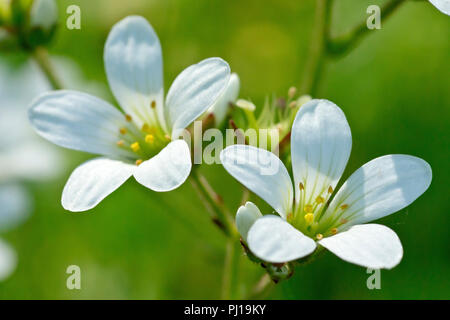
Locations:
{"points": [[167, 137], [123, 130], [289, 216], [330, 189], [309, 217], [344, 206], [135, 147], [334, 231], [344, 221], [153, 104], [308, 208], [150, 138], [320, 199], [128, 118], [146, 128], [302, 187], [120, 143], [319, 236], [139, 162]]}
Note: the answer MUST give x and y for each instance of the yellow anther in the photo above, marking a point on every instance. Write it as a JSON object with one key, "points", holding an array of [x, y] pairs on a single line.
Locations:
{"points": [[150, 138], [167, 137], [293, 104], [139, 162], [135, 147], [334, 231], [146, 128], [330, 189], [308, 208], [344, 221], [319, 236], [309, 218], [301, 186], [128, 118], [289, 216], [123, 130], [344, 206], [120, 143], [153, 104], [320, 199]]}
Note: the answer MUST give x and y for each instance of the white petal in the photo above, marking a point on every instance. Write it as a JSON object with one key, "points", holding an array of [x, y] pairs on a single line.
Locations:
{"points": [[194, 91], [442, 5], [15, 206], [133, 62], [371, 245], [93, 181], [261, 172], [246, 217], [221, 106], [167, 170], [78, 121], [321, 145], [381, 187], [274, 240], [8, 260]]}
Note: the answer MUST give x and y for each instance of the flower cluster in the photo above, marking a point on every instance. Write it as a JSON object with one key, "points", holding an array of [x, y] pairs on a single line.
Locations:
{"points": [[143, 140]]}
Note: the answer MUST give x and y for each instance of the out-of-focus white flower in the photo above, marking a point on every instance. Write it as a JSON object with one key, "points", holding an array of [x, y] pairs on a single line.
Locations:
{"points": [[320, 147], [23, 154], [230, 95], [141, 142], [44, 14], [442, 5]]}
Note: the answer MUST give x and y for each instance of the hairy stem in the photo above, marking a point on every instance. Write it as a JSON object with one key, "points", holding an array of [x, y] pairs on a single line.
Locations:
{"points": [[40, 55], [220, 215]]}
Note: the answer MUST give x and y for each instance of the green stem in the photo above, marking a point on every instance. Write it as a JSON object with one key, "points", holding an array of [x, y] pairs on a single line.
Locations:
{"points": [[317, 46], [342, 45], [262, 288], [40, 55], [220, 215], [230, 271]]}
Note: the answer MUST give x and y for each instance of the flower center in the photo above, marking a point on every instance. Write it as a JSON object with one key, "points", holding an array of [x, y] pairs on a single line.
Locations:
{"points": [[308, 215], [144, 142]]}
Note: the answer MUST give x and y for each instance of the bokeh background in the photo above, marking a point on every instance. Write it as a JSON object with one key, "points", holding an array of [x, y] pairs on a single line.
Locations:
{"points": [[137, 244]]}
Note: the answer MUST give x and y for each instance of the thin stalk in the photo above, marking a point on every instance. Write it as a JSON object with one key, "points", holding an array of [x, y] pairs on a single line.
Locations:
{"points": [[40, 55], [317, 47], [230, 271], [342, 45], [262, 288], [220, 215]]}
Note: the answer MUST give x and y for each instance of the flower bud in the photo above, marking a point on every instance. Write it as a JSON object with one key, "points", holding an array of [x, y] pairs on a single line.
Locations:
{"points": [[31, 22]]}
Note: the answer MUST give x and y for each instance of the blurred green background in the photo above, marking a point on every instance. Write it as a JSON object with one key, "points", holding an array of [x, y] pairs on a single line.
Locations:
{"points": [[137, 244]]}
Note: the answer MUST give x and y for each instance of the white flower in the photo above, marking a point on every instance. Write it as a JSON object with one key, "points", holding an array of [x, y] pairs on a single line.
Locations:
{"points": [[230, 95], [442, 5], [320, 148], [142, 142]]}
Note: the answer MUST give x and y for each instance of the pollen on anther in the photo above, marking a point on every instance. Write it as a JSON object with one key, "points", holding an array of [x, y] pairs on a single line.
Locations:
{"points": [[123, 130], [320, 199], [344, 206], [334, 231], [309, 217], [301, 186], [344, 221], [139, 162], [128, 118], [319, 236], [330, 189], [167, 137], [149, 138], [308, 208], [135, 147], [153, 104]]}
